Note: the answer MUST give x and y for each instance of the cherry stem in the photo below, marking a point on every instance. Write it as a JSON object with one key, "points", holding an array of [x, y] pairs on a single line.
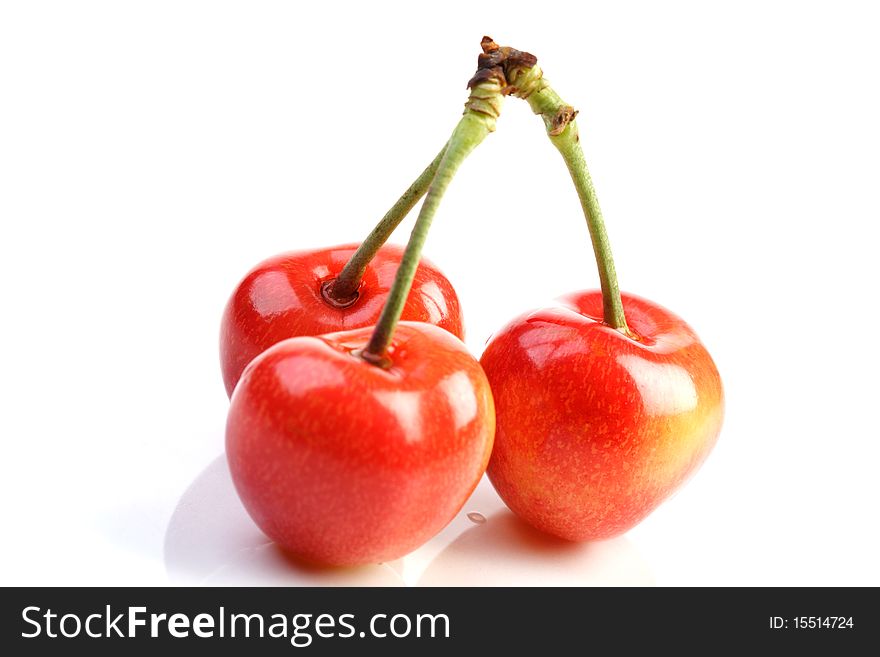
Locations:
{"points": [[343, 289], [527, 82], [481, 111], [568, 145]]}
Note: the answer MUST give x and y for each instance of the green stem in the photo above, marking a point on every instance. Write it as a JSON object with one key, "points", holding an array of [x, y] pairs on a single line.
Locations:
{"points": [[343, 290], [481, 111], [527, 82]]}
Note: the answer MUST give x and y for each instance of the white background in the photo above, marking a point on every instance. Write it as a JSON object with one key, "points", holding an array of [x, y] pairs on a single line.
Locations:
{"points": [[152, 152]]}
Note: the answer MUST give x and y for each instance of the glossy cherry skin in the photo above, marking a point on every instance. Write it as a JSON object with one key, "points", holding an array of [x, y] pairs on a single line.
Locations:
{"points": [[594, 428], [343, 462], [281, 298]]}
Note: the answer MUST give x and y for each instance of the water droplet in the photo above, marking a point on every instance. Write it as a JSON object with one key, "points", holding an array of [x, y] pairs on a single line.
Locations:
{"points": [[476, 518]]}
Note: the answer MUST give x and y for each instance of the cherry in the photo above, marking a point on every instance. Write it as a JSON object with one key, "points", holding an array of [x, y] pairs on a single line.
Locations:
{"points": [[605, 403], [596, 427], [356, 447], [286, 296], [343, 462], [333, 289]]}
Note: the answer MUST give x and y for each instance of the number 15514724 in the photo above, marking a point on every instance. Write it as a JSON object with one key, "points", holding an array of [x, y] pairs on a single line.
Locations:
{"points": [[811, 622]]}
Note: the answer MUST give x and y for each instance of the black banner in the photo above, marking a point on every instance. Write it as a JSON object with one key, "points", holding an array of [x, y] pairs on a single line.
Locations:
{"points": [[115, 621]]}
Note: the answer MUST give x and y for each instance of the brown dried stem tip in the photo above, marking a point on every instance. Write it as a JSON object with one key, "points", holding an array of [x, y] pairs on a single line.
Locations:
{"points": [[497, 62]]}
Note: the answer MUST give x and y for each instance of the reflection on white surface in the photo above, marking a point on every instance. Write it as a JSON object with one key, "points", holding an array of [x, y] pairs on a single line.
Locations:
{"points": [[211, 540], [665, 388], [505, 551]]}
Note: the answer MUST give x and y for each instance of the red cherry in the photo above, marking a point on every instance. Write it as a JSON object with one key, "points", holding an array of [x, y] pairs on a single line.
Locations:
{"points": [[595, 428], [343, 462], [282, 298]]}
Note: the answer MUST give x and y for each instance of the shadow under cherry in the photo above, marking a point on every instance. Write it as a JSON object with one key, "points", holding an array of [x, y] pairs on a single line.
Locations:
{"points": [[211, 540]]}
